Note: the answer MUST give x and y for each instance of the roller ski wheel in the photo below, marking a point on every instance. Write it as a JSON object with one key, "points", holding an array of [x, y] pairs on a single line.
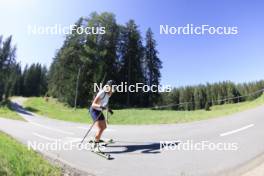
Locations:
{"points": [[95, 148]]}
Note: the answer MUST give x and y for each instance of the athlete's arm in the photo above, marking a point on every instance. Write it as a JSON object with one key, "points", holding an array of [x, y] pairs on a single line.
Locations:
{"points": [[96, 102]]}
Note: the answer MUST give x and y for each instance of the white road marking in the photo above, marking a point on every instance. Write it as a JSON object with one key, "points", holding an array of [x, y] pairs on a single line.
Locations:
{"points": [[45, 137], [67, 140], [237, 130], [73, 140], [53, 129], [84, 128]]}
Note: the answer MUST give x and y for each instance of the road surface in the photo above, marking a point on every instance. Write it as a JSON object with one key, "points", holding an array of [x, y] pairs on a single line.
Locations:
{"points": [[230, 143]]}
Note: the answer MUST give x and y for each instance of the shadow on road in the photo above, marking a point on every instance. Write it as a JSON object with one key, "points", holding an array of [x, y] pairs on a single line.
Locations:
{"points": [[152, 148], [19, 109]]}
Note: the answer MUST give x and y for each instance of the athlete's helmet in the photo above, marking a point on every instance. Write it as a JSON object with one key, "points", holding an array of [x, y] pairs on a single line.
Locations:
{"points": [[110, 82]]}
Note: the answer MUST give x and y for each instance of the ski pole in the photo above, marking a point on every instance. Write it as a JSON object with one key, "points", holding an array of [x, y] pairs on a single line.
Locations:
{"points": [[90, 128], [107, 116]]}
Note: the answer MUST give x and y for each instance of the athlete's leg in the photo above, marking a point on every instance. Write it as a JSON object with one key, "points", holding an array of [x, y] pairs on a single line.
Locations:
{"points": [[101, 126]]}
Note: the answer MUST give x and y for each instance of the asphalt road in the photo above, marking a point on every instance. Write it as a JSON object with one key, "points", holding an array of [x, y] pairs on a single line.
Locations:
{"points": [[229, 144]]}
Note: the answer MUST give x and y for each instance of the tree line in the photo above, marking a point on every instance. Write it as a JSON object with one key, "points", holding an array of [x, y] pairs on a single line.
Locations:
{"points": [[205, 96], [31, 81]]}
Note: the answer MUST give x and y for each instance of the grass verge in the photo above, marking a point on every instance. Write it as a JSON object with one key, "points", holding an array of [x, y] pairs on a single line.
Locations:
{"points": [[7, 112], [56, 110], [17, 160]]}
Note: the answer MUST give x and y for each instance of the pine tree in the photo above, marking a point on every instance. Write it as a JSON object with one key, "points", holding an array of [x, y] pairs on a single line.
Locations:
{"points": [[131, 58], [7, 61], [152, 65]]}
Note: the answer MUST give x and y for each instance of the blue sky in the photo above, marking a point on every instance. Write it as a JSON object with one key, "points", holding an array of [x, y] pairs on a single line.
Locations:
{"points": [[187, 60]]}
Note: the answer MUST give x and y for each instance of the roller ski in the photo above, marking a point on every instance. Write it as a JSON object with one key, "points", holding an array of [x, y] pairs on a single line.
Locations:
{"points": [[107, 142], [104, 142], [95, 148]]}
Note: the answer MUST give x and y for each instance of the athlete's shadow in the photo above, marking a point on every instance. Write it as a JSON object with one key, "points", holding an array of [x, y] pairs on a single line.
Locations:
{"points": [[151, 148]]}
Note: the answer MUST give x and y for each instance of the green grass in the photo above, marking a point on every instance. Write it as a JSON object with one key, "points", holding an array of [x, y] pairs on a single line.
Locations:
{"points": [[17, 160], [7, 112], [56, 110]]}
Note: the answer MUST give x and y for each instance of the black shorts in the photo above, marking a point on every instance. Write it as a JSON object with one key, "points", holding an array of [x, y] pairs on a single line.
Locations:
{"points": [[96, 115]]}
